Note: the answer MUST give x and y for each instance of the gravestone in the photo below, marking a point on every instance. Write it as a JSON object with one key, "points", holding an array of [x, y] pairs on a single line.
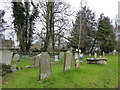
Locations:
{"points": [[103, 54], [45, 65], [56, 57], [77, 64], [6, 56], [16, 57], [76, 55], [95, 55], [68, 61], [62, 55], [36, 60]]}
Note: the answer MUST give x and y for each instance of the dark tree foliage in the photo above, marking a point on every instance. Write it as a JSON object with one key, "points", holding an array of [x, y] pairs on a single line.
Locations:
{"points": [[24, 23], [105, 35]]}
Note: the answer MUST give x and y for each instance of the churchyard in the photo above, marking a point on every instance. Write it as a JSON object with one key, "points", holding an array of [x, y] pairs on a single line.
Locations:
{"points": [[62, 73], [52, 44]]}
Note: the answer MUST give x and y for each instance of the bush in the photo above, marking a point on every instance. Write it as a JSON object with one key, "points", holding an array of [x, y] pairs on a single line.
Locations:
{"points": [[5, 69]]}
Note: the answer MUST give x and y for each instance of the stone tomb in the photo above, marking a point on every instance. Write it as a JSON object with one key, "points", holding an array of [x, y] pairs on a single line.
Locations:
{"points": [[68, 61], [45, 65], [16, 57], [62, 55], [6, 56]]}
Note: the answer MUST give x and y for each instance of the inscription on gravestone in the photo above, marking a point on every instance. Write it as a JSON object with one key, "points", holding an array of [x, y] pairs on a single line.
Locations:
{"points": [[45, 65], [68, 61]]}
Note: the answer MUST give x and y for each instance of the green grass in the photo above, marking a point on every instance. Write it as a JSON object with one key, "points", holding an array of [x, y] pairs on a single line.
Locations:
{"points": [[87, 76]]}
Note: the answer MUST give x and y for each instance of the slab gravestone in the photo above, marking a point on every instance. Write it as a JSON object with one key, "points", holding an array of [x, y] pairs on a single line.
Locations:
{"points": [[62, 55], [56, 57], [36, 60], [6, 56], [76, 56], [16, 57], [68, 61], [45, 65]]}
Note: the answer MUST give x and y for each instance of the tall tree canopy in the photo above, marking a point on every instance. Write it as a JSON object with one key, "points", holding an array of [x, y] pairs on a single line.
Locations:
{"points": [[24, 22], [105, 34], [84, 28]]}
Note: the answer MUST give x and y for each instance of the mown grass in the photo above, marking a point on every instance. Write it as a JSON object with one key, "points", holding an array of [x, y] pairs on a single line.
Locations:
{"points": [[87, 76]]}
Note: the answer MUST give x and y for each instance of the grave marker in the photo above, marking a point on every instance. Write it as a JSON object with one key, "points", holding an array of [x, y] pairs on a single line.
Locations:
{"points": [[36, 60], [16, 57], [45, 65], [62, 55], [76, 55], [68, 61], [6, 56]]}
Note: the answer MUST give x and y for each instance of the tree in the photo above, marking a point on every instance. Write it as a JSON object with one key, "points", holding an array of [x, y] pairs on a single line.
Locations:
{"points": [[53, 17], [105, 34], [2, 22], [24, 23], [84, 29]]}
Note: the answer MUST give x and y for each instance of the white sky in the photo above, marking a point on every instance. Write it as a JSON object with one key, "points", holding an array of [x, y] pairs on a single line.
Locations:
{"points": [[108, 7]]}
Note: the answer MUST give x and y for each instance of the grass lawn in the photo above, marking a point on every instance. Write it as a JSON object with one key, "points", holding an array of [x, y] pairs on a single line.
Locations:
{"points": [[87, 76]]}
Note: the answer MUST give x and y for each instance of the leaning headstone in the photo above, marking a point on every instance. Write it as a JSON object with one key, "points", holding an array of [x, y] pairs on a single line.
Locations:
{"points": [[45, 65], [36, 60], [68, 61], [76, 55], [62, 55], [16, 57], [77, 64], [95, 55], [56, 57], [6, 56]]}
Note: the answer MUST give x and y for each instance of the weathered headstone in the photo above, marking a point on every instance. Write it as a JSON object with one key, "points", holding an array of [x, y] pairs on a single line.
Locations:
{"points": [[95, 55], [36, 60], [77, 64], [16, 57], [76, 55], [62, 55], [68, 61], [45, 65], [103, 54], [6, 56], [56, 57]]}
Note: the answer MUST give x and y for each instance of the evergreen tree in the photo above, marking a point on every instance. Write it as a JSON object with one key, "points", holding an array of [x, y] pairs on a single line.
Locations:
{"points": [[84, 30], [105, 35]]}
